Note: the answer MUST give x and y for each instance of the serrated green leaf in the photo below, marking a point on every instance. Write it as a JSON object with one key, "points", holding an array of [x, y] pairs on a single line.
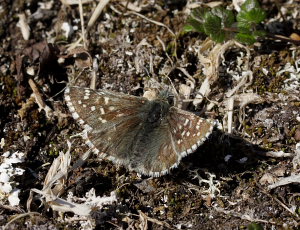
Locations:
{"points": [[212, 27], [198, 13], [249, 5], [195, 20], [226, 16], [245, 38], [251, 13], [247, 19], [244, 30], [215, 22], [195, 25]]}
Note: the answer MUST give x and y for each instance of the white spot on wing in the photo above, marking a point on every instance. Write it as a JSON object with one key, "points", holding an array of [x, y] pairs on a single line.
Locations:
{"points": [[75, 115], [194, 147], [87, 127], [93, 108], [71, 107], [199, 143], [189, 151], [186, 122], [106, 100], [102, 120], [102, 111]]}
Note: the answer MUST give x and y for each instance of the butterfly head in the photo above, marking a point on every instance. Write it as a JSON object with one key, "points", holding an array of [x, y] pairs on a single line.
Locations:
{"points": [[162, 95]]}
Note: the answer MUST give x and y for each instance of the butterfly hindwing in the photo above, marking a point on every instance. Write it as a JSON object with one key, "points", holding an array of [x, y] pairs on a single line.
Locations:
{"points": [[188, 130]]}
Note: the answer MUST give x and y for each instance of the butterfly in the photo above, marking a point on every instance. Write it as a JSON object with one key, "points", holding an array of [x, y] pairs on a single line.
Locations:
{"points": [[147, 136]]}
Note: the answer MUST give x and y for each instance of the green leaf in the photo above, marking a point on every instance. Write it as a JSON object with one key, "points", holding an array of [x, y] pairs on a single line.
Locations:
{"points": [[195, 20], [244, 30], [188, 28], [249, 5], [253, 16], [226, 16], [194, 25], [245, 38], [215, 23], [259, 33], [251, 13], [213, 28], [198, 13], [210, 21]]}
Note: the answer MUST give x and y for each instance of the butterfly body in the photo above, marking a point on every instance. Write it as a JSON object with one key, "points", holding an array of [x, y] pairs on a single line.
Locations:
{"points": [[147, 136]]}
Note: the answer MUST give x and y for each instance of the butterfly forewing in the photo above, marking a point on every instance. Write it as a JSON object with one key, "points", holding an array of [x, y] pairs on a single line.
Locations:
{"points": [[101, 109]]}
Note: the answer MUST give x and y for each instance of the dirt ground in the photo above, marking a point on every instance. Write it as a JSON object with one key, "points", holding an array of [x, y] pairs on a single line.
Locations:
{"points": [[245, 176]]}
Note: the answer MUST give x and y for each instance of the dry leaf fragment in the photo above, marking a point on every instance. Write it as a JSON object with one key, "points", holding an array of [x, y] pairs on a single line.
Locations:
{"points": [[82, 57], [23, 25]]}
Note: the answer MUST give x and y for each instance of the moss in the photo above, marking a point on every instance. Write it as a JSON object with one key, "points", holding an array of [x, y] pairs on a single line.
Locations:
{"points": [[260, 131], [271, 82]]}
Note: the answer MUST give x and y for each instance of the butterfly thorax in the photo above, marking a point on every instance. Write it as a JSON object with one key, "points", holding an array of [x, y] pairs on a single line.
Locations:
{"points": [[153, 120], [157, 111]]}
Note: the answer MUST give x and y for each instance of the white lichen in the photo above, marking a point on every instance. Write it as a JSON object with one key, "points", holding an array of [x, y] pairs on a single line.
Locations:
{"points": [[8, 189]]}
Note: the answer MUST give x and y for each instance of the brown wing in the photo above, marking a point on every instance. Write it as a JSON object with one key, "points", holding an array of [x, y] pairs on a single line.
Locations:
{"points": [[106, 116], [113, 121], [188, 131], [179, 134]]}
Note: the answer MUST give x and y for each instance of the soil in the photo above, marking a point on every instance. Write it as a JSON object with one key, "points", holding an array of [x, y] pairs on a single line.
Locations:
{"points": [[223, 185]]}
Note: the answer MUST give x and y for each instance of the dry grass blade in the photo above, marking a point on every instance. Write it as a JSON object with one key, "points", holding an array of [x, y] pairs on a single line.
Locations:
{"points": [[230, 113], [25, 29], [82, 24], [97, 12], [144, 221], [211, 64], [39, 100], [152, 21], [285, 181], [243, 216], [75, 2], [57, 175], [19, 216]]}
